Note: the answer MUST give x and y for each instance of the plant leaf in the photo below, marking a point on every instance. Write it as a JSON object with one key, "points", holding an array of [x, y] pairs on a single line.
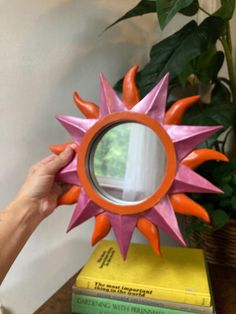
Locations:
{"points": [[208, 66], [225, 203], [162, 54], [220, 93], [143, 7], [233, 202], [218, 171], [226, 179], [234, 179], [211, 114], [191, 10], [167, 9], [176, 51], [219, 218], [205, 67], [228, 190], [226, 10], [195, 225]]}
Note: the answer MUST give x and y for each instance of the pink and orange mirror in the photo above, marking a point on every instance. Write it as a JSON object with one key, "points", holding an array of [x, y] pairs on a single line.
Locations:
{"points": [[134, 162]]}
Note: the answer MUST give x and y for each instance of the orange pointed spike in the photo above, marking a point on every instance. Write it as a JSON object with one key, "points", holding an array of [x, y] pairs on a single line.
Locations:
{"points": [[57, 149], [89, 109], [130, 90], [183, 204], [101, 229], [69, 197], [176, 112], [150, 231], [201, 155]]}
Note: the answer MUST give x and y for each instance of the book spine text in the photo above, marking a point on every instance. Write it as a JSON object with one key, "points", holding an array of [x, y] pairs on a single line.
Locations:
{"points": [[188, 297], [88, 304]]}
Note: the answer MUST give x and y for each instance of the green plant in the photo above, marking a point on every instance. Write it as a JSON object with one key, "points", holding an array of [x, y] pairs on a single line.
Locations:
{"points": [[194, 56], [221, 207], [191, 57]]}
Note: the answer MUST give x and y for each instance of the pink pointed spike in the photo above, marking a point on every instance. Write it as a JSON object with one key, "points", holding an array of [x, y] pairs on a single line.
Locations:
{"points": [[68, 174], [186, 137], [84, 210], [187, 180], [164, 217], [109, 101], [76, 127], [154, 103], [123, 227]]}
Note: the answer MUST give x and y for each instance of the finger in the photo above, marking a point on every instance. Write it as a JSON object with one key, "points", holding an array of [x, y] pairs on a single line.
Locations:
{"points": [[47, 159], [59, 161], [57, 189], [65, 187], [41, 163], [50, 158], [60, 188]]}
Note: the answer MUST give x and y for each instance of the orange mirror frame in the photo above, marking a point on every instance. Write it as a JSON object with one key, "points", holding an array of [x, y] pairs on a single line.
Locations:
{"points": [[84, 171]]}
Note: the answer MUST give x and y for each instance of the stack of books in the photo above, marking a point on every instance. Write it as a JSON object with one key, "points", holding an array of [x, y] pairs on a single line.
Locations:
{"points": [[144, 283]]}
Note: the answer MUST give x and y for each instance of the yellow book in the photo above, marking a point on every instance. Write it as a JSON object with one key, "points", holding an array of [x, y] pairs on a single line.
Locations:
{"points": [[179, 275]]}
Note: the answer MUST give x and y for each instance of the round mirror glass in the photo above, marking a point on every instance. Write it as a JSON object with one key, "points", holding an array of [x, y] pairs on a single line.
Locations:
{"points": [[127, 163]]}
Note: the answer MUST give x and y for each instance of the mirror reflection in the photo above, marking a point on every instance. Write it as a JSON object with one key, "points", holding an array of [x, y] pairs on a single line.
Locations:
{"points": [[128, 163]]}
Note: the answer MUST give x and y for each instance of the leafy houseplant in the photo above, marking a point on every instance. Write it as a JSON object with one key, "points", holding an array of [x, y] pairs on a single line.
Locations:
{"points": [[221, 207], [194, 56]]}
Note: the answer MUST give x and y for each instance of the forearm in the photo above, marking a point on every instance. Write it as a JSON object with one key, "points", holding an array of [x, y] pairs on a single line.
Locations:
{"points": [[36, 200], [17, 222]]}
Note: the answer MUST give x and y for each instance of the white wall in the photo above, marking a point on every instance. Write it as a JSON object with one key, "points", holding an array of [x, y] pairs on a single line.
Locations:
{"points": [[48, 49]]}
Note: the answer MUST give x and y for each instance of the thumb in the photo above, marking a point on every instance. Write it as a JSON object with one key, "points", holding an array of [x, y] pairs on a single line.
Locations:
{"points": [[60, 161]]}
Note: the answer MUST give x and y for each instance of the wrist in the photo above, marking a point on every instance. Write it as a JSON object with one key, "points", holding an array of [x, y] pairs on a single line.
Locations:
{"points": [[26, 211]]}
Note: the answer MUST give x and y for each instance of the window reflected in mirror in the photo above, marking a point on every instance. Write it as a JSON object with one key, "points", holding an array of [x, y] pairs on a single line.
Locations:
{"points": [[128, 163]]}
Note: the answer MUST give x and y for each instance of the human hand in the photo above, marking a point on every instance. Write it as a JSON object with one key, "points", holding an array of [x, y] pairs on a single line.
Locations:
{"points": [[40, 188]]}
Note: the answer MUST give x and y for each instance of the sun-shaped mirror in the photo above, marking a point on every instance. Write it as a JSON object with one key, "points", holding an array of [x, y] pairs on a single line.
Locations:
{"points": [[134, 162]]}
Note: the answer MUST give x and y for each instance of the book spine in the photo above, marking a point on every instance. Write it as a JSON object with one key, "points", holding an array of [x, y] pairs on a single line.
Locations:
{"points": [[152, 302], [82, 304], [150, 292]]}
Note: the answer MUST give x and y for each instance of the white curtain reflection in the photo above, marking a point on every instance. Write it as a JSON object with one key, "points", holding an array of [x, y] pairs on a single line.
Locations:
{"points": [[146, 163]]}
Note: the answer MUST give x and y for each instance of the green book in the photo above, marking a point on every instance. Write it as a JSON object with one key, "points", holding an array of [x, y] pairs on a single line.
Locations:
{"points": [[144, 301], [85, 304]]}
